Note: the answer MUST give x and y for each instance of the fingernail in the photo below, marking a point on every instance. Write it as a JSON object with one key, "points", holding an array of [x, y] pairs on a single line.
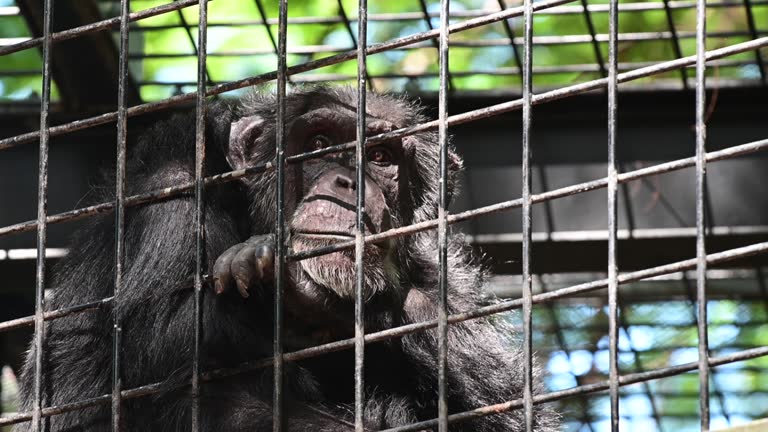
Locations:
{"points": [[243, 288]]}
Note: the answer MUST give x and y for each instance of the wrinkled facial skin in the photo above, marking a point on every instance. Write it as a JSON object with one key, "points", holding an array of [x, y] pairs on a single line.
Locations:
{"points": [[321, 196], [324, 193]]}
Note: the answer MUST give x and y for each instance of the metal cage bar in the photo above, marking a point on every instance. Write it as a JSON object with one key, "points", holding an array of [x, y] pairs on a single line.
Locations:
{"points": [[42, 215], [442, 233], [270, 76], [360, 162], [715, 258], [452, 120], [623, 178], [200, 256], [97, 26], [590, 388], [527, 108], [122, 135], [280, 235], [611, 181], [701, 161], [612, 202]]}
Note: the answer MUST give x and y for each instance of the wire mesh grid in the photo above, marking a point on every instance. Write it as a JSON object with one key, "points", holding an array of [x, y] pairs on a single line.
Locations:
{"points": [[684, 57]]}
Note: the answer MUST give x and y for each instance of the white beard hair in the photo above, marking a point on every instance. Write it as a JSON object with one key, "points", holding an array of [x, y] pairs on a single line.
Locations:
{"points": [[342, 280]]}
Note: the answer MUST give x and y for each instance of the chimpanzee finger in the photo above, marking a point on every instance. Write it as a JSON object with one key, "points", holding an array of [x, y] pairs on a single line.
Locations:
{"points": [[265, 257], [222, 274], [244, 269]]}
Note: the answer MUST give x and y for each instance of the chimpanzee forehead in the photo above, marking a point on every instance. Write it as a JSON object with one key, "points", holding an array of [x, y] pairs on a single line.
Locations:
{"points": [[378, 107]]}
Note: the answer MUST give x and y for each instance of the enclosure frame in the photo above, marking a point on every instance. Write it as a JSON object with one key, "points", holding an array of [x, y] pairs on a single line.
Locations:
{"points": [[611, 79]]}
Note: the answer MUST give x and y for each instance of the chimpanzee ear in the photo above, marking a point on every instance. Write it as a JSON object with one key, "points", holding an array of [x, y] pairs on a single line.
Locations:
{"points": [[243, 135]]}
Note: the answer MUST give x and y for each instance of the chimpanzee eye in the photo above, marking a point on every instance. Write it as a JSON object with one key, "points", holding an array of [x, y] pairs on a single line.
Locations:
{"points": [[380, 156], [318, 142]]}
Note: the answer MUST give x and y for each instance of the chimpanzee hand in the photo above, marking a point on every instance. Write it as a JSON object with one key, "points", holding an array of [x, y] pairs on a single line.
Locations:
{"points": [[247, 264]]}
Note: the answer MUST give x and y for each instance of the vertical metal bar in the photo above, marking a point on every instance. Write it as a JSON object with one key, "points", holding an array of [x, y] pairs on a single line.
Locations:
{"points": [[701, 259], [122, 133], [42, 215], [202, 38], [753, 33], [613, 283], [442, 233], [526, 211], [362, 36], [277, 347]]}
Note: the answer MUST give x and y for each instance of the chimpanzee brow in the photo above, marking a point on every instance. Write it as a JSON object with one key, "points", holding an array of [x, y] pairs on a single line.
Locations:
{"points": [[344, 119]]}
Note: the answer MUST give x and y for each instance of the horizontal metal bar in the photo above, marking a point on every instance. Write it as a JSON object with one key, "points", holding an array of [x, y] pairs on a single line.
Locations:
{"points": [[622, 234], [469, 44], [97, 26], [170, 192], [457, 119], [713, 259], [417, 16], [54, 314], [624, 380], [502, 71], [452, 120], [270, 76], [540, 197]]}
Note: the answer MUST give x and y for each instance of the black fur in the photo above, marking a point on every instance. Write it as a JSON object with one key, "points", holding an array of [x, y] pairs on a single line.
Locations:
{"points": [[485, 363]]}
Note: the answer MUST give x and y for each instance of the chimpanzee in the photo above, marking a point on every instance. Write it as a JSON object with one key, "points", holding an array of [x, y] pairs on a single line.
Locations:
{"points": [[156, 303]]}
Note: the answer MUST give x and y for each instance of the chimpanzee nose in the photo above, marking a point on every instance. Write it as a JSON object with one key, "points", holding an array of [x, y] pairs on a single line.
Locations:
{"points": [[345, 181]]}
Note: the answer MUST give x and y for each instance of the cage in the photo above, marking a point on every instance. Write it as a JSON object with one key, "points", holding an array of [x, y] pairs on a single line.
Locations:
{"points": [[613, 176]]}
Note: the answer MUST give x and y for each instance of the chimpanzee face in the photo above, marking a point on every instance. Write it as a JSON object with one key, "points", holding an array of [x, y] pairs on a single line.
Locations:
{"points": [[324, 192], [321, 193]]}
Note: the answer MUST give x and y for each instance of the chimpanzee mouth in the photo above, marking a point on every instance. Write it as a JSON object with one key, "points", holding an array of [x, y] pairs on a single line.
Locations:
{"points": [[330, 237], [336, 271]]}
